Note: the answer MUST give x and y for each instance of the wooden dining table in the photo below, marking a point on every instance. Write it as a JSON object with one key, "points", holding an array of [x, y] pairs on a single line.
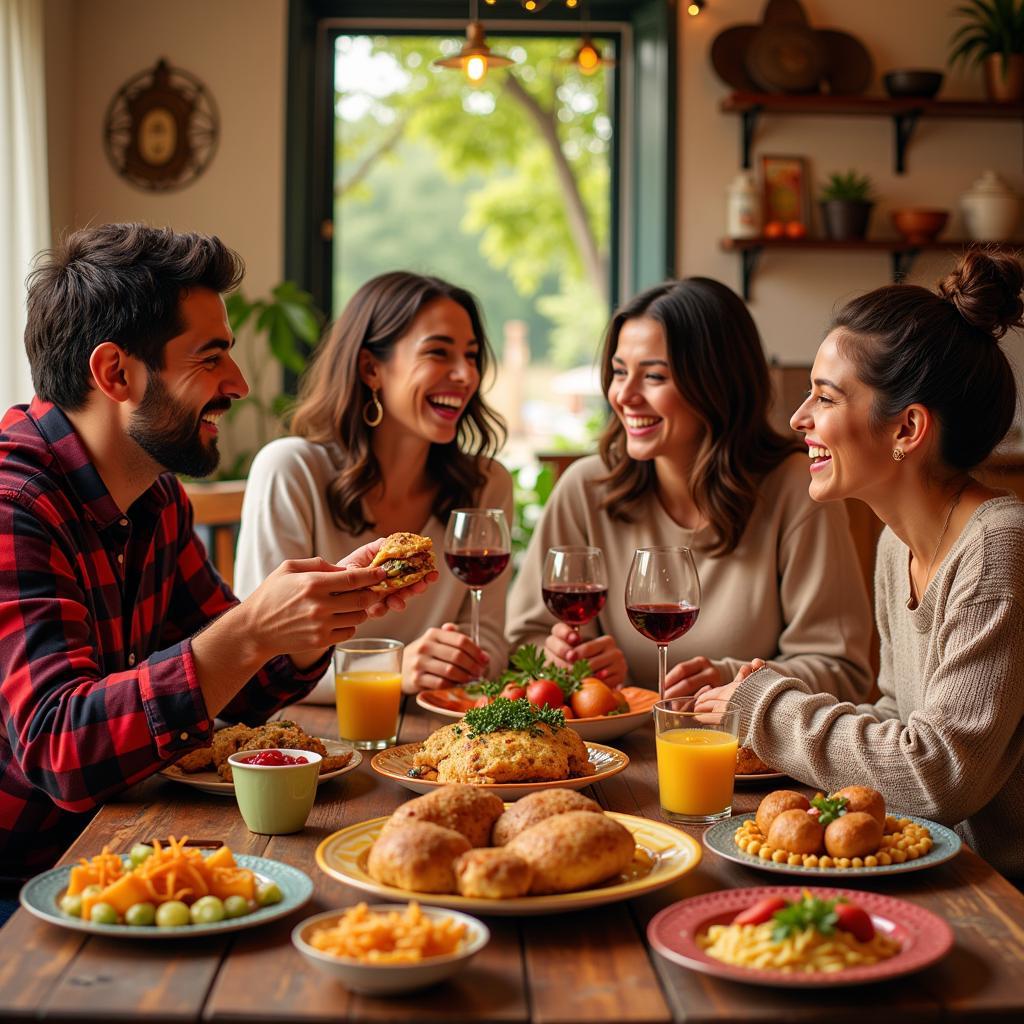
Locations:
{"points": [[588, 966]]}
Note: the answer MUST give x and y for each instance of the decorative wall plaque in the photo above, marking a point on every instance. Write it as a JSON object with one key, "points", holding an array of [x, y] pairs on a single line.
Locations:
{"points": [[161, 129]]}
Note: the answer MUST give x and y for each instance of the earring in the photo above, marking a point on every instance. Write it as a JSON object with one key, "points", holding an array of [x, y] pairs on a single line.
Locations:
{"points": [[898, 455], [373, 419]]}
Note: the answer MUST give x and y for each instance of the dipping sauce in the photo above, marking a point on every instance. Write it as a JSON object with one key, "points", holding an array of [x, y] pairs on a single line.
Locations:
{"points": [[274, 759]]}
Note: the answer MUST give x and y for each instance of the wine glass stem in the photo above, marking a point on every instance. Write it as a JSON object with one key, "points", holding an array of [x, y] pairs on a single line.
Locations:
{"points": [[474, 622], [662, 669]]}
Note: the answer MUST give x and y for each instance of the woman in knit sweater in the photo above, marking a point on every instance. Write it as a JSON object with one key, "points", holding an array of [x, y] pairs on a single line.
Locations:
{"points": [[910, 391], [689, 458]]}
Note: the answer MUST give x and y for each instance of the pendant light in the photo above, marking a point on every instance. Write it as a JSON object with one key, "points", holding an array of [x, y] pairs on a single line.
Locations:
{"points": [[587, 58], [475, 58]]}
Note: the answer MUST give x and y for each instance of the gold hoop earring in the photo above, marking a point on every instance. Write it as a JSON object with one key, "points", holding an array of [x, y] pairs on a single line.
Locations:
{"points": [[898, 455], [373, 419]]}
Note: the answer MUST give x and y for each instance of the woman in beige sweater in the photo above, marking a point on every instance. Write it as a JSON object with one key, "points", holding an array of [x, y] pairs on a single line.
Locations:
{"points": [[688, 458], [909, 392]]}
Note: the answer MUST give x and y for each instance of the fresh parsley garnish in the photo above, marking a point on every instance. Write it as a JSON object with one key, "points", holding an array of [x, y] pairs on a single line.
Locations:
{"points": [[810, 912], [829, 807], [502, 714]]}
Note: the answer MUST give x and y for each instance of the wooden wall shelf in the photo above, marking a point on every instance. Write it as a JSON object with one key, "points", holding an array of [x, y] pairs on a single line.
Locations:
{"points": [[905, 113], [902, 253]]}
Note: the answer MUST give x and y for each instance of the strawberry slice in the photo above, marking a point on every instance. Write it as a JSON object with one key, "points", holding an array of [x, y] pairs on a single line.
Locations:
{"points": [[855, 920], [761, 911]]}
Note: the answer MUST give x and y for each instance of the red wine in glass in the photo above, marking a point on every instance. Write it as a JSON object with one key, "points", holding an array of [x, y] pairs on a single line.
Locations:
{"points": [[476, 568], [662, 623], [575, 604]]}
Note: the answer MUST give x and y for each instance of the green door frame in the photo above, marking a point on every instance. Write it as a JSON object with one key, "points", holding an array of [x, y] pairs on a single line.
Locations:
{"points": [[651, 94]]}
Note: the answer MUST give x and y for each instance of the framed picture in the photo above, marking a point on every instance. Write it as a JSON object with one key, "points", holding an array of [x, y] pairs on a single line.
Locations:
{"points": [[786, 195]]}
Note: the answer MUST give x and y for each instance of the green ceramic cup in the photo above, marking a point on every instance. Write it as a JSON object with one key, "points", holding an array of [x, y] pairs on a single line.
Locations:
{"points": [[275, 799]]}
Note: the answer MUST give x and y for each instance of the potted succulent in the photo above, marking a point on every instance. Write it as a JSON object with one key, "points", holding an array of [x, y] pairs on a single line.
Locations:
{"points": [[994, 36], [846, 201]]}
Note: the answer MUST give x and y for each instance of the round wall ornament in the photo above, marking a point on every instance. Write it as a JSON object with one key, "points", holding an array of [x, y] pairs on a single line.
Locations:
{"points": [[161, 128]]}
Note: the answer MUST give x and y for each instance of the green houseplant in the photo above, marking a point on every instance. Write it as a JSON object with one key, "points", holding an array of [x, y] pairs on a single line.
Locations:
{"points": [[846, 201], [993, 35]]}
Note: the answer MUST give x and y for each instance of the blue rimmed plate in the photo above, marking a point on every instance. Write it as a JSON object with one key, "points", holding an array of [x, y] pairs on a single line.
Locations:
{"points": [[41, 896], [945, 846]]}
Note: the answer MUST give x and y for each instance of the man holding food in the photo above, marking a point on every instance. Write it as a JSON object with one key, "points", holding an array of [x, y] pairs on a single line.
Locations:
{"points": [[120, 641]]}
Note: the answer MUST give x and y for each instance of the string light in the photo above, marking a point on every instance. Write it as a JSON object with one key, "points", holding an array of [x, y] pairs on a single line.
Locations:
{"points": [[694, 8]]}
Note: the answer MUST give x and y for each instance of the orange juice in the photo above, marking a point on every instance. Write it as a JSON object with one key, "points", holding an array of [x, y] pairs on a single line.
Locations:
{"points": [[367, 704], [696, 768]]}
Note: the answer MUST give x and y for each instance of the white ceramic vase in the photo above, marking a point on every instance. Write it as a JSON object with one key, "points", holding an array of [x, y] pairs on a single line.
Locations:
{"points": [[991, 209], [744, 207]]}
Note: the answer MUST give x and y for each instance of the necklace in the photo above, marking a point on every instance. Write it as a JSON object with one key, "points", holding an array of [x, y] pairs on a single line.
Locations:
{"points": [[945, 526]]}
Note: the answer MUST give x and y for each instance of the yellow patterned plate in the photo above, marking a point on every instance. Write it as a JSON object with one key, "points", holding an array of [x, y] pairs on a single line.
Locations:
{"points": [[663, 854], [396, 762]]}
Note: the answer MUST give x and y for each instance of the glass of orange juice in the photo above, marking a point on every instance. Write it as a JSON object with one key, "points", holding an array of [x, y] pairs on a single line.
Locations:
{"points": [[696, 761], [368, 691]]}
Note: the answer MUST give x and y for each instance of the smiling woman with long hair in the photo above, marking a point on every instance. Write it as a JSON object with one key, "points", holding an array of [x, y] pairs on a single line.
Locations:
{"points": [[688, 458], [390, 434]]}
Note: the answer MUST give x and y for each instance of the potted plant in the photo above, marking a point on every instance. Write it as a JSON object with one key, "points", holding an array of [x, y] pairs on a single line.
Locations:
{"points": [[993, 36], [846, 201]]}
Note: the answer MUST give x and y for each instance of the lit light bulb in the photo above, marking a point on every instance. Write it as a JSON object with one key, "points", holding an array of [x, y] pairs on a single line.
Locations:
{"points": [[588, 59], [531, 5], [571, 3], [695, 8], [475, 69]]}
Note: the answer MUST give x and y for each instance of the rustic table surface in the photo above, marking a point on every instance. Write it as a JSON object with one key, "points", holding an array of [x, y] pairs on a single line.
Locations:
{"points": [[588, 966]]}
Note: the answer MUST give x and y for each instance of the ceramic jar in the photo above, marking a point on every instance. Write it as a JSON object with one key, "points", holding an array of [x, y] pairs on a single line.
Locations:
{"points": [[743, 216], [991, 209]]}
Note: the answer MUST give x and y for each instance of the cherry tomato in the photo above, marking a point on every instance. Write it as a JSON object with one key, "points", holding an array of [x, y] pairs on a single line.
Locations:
{"points": [[482, 702], [545, 691], [761, 911], [513, 691], [855, 920], [593, 699], [567, 711]]}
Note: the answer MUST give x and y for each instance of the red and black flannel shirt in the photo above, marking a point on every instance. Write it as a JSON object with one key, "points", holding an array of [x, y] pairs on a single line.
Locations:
{"points": [[98, 686]]}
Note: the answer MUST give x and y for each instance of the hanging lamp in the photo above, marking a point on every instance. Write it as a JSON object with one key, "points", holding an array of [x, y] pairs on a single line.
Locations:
{"points": [[475, 58], [587, 58]]}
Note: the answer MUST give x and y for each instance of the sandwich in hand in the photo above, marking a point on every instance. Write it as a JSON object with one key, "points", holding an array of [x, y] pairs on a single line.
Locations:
{"points": [[407, 557]]}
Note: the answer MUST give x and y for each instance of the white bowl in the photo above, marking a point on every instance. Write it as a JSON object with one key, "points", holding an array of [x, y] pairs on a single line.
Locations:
{"points": [[389, 979]]}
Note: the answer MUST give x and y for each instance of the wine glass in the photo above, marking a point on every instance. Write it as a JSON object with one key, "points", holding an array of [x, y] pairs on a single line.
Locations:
{"points": [[575, 584], [477, 548], [662, 598]]}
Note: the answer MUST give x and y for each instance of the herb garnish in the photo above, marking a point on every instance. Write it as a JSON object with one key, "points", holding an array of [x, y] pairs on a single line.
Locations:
{"points": [[810, 912], [830, 808], [528, 664], [519, 714]]}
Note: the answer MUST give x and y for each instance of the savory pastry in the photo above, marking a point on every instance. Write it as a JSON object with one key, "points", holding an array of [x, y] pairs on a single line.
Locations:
{"points": [[855, 834], [536, 807], [407, 557], [775, 803], [492, 874], [542, 753], [863, 798], [463, 809], [573, 851], [748, 763], [796, 831], [418, 856]]}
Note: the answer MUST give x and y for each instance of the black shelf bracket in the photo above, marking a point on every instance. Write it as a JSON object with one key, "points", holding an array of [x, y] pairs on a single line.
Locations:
{"points": [[902, 263], [903, 126], [748, 126], [748, 263]]}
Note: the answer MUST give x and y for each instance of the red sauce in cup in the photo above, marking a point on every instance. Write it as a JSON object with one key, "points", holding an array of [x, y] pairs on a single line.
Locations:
{"points": [[275, 759]]}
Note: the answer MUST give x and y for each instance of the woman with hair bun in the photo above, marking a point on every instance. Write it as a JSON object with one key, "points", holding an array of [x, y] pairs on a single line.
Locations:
{"points": [[391, 434], [910, 392]]}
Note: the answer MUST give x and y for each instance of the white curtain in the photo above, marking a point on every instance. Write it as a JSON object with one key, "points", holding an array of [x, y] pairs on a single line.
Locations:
{"points": [[24, 196]]}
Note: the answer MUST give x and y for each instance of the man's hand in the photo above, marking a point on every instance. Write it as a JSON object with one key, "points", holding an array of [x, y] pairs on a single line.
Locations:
{"points": [[565, 647], [690, 676], [442, 657], [390, 600]]}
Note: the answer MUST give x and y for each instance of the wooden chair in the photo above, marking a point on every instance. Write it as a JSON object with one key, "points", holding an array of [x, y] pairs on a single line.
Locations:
{"points": [[217, 507]]}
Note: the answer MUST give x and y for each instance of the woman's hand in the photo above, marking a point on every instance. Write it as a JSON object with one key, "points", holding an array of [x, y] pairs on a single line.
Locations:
{"points": [[565, 647], [717, 699], [392, 600], [690, 676], [442, 657]]}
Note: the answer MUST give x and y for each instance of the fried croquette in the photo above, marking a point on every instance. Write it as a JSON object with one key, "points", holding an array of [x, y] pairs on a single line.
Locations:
{"points": [[492, 873], [775, 803], [464, 809], [748, 763], [536, 807]]}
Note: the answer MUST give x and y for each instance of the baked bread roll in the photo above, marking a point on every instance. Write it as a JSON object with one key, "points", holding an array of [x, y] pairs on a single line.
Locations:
{"points": [[535, 807], [418, 856], [573, 851], [493, 873], [464, 809]]}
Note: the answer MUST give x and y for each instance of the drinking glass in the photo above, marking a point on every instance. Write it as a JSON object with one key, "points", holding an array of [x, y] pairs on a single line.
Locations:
{"points": [[662, 598], [368, 690], [575, 584], [696, 761], [477, 548]]}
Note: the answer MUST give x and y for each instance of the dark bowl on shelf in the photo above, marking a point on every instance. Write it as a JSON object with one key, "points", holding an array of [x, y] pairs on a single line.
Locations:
{"points": [[913, 84], [919, 226]]}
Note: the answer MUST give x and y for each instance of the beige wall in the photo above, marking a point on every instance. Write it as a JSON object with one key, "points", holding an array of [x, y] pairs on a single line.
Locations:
{"points": [[793, 294]]}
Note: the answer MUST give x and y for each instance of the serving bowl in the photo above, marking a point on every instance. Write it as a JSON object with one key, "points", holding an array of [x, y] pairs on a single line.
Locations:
{"points": [[390, 978], [919, 226], [916, 84]]}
